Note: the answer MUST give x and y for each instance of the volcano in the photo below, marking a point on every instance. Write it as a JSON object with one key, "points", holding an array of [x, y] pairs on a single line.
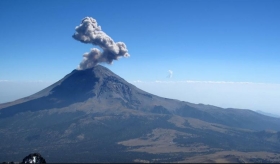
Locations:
{"points": [[94, 115]]}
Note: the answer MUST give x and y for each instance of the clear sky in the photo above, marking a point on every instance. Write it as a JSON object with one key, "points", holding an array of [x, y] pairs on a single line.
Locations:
{"points": [[198, 40]]}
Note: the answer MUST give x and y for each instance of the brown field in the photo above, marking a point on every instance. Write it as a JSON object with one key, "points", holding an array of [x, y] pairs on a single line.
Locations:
{"points": [[235, 157], [161, 141]]}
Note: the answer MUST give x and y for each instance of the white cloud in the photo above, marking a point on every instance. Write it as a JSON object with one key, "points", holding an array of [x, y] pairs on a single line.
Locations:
{"points": [[194, 81]]}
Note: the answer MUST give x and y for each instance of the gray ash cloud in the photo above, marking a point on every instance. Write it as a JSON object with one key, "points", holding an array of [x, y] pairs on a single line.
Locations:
{"points": [[90, 32]]}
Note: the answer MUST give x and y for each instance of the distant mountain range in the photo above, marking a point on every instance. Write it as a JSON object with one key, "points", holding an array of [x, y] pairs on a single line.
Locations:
{"points": [[94, 115], [267, 114]]}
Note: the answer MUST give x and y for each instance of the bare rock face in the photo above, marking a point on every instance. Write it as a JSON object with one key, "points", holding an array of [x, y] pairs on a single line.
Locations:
{"points": [[94, 115]]}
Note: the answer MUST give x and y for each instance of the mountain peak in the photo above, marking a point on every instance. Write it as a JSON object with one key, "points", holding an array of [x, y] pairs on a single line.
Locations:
{"points": [[98, 85], [93, 113], [98, 89], [97, 70]]}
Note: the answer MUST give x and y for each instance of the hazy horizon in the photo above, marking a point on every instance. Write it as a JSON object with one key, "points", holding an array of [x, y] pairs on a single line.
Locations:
{"points": [[241, 95]]}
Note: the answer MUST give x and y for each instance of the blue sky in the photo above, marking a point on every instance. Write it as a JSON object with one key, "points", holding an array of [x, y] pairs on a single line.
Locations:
{"points": [[199, 40]]}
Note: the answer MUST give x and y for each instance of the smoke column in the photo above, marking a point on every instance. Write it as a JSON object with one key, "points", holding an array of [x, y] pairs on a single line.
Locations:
{"points": [[170, 73], [89, 32]]}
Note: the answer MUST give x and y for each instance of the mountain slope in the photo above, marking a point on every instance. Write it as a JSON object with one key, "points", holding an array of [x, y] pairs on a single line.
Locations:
{"points": [[268, 114], [94, 115], [79, 86]]}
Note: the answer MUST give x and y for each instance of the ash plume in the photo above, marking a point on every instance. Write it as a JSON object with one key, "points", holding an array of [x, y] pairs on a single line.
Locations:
{"points": [[90, 32]]}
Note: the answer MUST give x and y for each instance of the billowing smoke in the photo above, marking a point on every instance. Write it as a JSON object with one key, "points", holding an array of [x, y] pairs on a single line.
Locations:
{"points": [[89, 32]]}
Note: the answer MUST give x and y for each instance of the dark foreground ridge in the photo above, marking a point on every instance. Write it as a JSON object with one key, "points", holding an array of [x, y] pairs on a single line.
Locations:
{"points": [[94, 115], [31, 158]]}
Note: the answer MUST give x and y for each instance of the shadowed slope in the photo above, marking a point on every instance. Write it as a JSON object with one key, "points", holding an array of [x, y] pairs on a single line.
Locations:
{"points": [[98, 87], [80, 85], [71, 89]]}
